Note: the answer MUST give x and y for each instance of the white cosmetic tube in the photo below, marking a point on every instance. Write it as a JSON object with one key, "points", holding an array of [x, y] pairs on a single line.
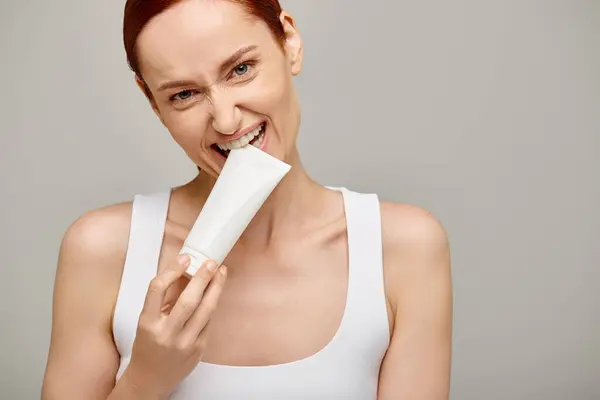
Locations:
{"points": [[246, 181]]}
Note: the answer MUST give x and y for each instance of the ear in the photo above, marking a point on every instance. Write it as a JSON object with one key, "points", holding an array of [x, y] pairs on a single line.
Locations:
{"points": [[293, 42], [146, 90]]}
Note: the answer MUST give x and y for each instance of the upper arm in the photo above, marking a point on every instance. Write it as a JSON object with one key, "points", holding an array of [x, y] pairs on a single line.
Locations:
{"points": [[418, 279], [83, 360]]}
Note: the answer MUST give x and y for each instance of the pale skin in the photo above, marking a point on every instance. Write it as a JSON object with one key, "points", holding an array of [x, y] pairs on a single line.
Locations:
{"points": [[294, 248]]}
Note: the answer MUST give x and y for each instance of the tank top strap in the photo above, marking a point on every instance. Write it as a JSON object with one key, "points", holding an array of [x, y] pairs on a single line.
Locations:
{"points": [[366, 308], [148, 219]]}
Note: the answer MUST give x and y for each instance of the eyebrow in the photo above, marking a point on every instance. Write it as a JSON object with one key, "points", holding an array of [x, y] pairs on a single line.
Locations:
{"points": [[230, 62], [235, 58]]}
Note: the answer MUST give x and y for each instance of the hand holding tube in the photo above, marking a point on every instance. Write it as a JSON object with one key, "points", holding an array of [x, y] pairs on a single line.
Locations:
{"points": [[169, 345]]}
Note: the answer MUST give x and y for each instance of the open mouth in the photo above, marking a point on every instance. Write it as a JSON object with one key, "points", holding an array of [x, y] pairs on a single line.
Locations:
{"points": [[254, 138]]}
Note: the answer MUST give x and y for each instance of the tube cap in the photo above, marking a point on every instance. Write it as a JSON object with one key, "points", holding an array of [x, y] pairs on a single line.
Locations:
{"points": [[196, 260]]}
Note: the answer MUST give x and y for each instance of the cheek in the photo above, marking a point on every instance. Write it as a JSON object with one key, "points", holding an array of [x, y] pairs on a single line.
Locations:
{"points": [[284, 111], [272, 96], [186, 127]]}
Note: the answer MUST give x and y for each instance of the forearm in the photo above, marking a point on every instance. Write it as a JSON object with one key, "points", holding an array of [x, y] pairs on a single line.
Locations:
{"points": [[129, 388]]}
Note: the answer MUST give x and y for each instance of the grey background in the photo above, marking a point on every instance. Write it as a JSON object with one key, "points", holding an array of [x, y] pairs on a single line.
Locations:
{"points": [[487, 113]]}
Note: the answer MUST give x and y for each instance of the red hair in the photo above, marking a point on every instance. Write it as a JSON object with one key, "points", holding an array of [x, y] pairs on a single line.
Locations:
{"points": [[139, 12]]}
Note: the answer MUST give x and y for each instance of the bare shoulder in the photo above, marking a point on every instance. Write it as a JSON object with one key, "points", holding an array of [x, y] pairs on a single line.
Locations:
{"points": [[411, 228], [103, 232], [93, 251], [416, 251]]}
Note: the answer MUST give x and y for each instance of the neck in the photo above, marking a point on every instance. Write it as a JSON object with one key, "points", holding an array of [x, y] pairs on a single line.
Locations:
{"points": [[293, 206]]}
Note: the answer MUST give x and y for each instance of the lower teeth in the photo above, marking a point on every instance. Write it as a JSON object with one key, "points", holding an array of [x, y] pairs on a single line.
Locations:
{"points": [[259, 140]]}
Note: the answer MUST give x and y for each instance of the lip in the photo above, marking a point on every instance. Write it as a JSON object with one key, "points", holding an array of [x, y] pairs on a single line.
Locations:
{"points": [[262, 145], [240, 133]]}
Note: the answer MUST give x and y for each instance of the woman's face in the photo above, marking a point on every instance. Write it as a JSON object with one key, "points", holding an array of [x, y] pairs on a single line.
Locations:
{"points": [[219, 79]]}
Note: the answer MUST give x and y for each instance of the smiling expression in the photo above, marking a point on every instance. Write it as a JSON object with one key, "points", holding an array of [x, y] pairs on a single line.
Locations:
{"points": [[218, 79]]}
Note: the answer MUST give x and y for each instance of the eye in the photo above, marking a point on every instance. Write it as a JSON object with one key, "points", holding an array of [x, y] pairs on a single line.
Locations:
{"points": [[244, 71], [241, 69], [183, 95]]}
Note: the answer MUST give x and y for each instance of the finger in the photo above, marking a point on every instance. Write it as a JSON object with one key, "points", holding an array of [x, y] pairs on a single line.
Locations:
{"points": [[199, 319], [160, 284], [191, 296]]}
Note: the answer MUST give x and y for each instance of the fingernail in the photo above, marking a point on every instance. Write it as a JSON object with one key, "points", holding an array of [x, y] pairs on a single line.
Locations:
{"points": [[211, 265], [183, 259]]}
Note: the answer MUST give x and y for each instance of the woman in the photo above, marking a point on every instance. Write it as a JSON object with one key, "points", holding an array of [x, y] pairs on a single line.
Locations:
{"points": [[329, 293]]}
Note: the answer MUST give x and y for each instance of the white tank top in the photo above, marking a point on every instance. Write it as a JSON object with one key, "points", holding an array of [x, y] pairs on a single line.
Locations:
{"points": [[346, 368]]}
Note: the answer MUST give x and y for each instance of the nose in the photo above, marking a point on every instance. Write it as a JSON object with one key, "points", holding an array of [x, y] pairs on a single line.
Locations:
{"points": [[226, 116]]}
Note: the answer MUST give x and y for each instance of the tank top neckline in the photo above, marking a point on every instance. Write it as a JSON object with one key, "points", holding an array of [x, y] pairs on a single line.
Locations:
{"points": [[341, 329], [348, 366]]}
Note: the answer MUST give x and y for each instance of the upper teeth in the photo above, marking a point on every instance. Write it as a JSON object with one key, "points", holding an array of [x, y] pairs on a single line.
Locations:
{"points": [[241, 142]]}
